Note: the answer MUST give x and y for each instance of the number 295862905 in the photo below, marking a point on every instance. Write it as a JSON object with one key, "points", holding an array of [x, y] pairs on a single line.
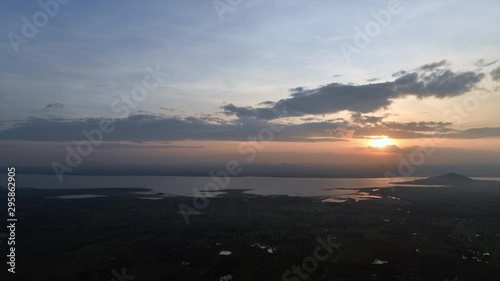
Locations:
{"points": [[11, 196]]}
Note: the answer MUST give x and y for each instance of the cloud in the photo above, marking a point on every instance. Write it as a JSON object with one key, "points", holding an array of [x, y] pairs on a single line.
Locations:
{"points": [[399, 73], [119, 145], [168, 109], [54, 106], [149, 128], [381, 130], [482, 63], [426, 81], [420, 126], [477, 133], [388, 148], [424, 130], [365, 119], [267, 103], [439, 84], [266, 113], [495, 74], [145, 127], [434, 65]]}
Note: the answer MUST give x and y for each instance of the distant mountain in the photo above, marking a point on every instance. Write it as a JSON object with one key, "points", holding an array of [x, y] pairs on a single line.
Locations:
{"points": [[449, 178], [452, 179]]}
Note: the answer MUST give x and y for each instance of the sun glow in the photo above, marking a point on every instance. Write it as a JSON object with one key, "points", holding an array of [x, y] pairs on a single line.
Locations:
{"points": [[381, 142]]}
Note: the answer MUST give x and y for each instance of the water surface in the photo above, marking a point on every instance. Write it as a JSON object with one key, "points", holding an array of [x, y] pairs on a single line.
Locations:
{"points": [[189, 186]]}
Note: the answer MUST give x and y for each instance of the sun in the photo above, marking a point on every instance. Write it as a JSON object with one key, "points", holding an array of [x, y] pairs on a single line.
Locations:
{"points": [[381, 141]]}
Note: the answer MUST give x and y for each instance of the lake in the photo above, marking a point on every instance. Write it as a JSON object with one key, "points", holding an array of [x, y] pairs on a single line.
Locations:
{"points": [[189, 186]]}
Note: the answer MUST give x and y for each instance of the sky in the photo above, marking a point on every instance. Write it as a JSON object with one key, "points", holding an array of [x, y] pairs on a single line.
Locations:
{"points": [[299, 81]]}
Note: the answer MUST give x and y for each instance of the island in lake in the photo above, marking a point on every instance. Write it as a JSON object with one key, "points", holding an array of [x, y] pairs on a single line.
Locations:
{"points": [[451, 179]]}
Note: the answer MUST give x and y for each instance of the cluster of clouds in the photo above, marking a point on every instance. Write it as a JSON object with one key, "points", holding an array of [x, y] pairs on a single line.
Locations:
{"points": [[239, 122], [430, 80]]}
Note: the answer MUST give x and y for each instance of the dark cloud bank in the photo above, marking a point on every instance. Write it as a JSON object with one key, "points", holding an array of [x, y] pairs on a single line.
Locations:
{"points": [[430, 80], [145, 127]]}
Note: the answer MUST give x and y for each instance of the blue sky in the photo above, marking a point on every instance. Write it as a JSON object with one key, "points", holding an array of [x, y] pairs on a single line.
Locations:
{"points": [[92, 51]]}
